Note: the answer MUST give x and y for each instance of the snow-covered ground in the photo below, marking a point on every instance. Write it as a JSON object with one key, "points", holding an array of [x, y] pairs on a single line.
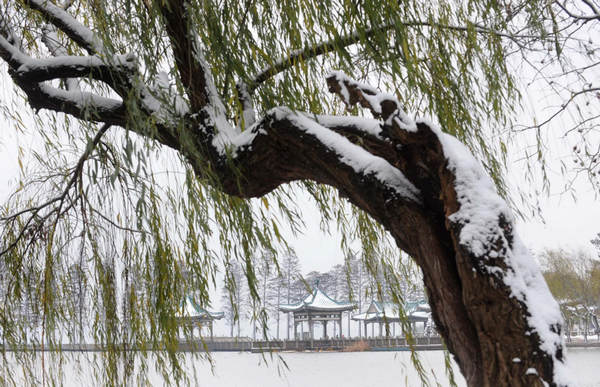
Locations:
{"points": [[348, 369]]}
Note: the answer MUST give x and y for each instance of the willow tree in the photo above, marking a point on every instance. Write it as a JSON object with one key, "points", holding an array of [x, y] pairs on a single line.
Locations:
{"points": [[237, 92]]}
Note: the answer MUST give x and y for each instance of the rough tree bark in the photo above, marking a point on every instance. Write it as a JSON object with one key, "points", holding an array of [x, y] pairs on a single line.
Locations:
{"points": [[403, 174]]}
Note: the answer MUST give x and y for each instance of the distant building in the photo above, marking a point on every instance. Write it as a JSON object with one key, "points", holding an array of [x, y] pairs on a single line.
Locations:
{"points": [[382, 313], [192, 316], [316, 307]]}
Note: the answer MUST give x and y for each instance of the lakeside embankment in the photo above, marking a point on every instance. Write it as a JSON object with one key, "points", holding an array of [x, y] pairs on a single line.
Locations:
{"points": [[228, 344]]}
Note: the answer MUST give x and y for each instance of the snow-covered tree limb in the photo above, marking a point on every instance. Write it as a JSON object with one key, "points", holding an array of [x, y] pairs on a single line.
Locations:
{"points": [[119, 69], [481, 227], [57, 16]]}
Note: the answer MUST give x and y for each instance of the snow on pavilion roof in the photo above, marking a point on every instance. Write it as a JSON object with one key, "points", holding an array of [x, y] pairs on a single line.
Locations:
{"points": [[415, 311], [317, 301], [190, 309]]}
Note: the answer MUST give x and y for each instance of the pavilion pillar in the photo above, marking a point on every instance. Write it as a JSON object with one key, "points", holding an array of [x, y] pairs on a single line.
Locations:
{"points": [[335, 328], [349, 335], [394, 329], [211, 330], [366, 334], [295, 330], [380, 333], [325, 329]]}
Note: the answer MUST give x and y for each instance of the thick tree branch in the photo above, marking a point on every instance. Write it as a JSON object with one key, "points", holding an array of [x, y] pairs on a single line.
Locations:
{"points": [[57, 16], [481, 230], [185, 50], [119, 70], [52, 42]]}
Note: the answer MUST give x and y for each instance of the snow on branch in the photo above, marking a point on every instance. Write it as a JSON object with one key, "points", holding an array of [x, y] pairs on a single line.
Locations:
{"points": [[9, 49], [57, 16], [40, 70], [367, 126], [479, 220], [51, 40], [81, 104], [381, 105], [487, 227], [363, 162], [29, 74], [117, 71]]}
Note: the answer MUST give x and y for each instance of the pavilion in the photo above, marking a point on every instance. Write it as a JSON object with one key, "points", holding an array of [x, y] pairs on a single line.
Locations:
{"points": [[382, 313], [317, 307], [194, 316]]}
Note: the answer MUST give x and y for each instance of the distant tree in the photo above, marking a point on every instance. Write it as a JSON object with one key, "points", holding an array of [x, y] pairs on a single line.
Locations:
{"points": [[311, 279], [290, 272], [275, 295], [232, 296], [77, 282], [358, 280], [572, 277], [596, 243], [258, 273], [574, 280], [339, 288]]}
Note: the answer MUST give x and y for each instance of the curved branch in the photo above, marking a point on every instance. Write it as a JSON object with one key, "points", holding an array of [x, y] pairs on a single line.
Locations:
{"points": [[486, 249], [57, 16], [329, 46], [307, 53]]}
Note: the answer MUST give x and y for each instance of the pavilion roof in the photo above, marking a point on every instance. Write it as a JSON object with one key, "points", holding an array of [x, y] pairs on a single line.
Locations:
{"points": [[191, 309], [317, 301], [415, 311]]}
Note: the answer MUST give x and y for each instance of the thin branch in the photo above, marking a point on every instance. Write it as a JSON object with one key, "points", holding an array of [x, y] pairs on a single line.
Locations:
{"points": [[585, 18], [328, 46], [563, 107], [593, 7], [312, 52], [58, 210]]}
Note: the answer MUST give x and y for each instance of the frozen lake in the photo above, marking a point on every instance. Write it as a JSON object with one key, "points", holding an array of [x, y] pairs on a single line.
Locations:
{"points": [[348, 369], [359, 369]]}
